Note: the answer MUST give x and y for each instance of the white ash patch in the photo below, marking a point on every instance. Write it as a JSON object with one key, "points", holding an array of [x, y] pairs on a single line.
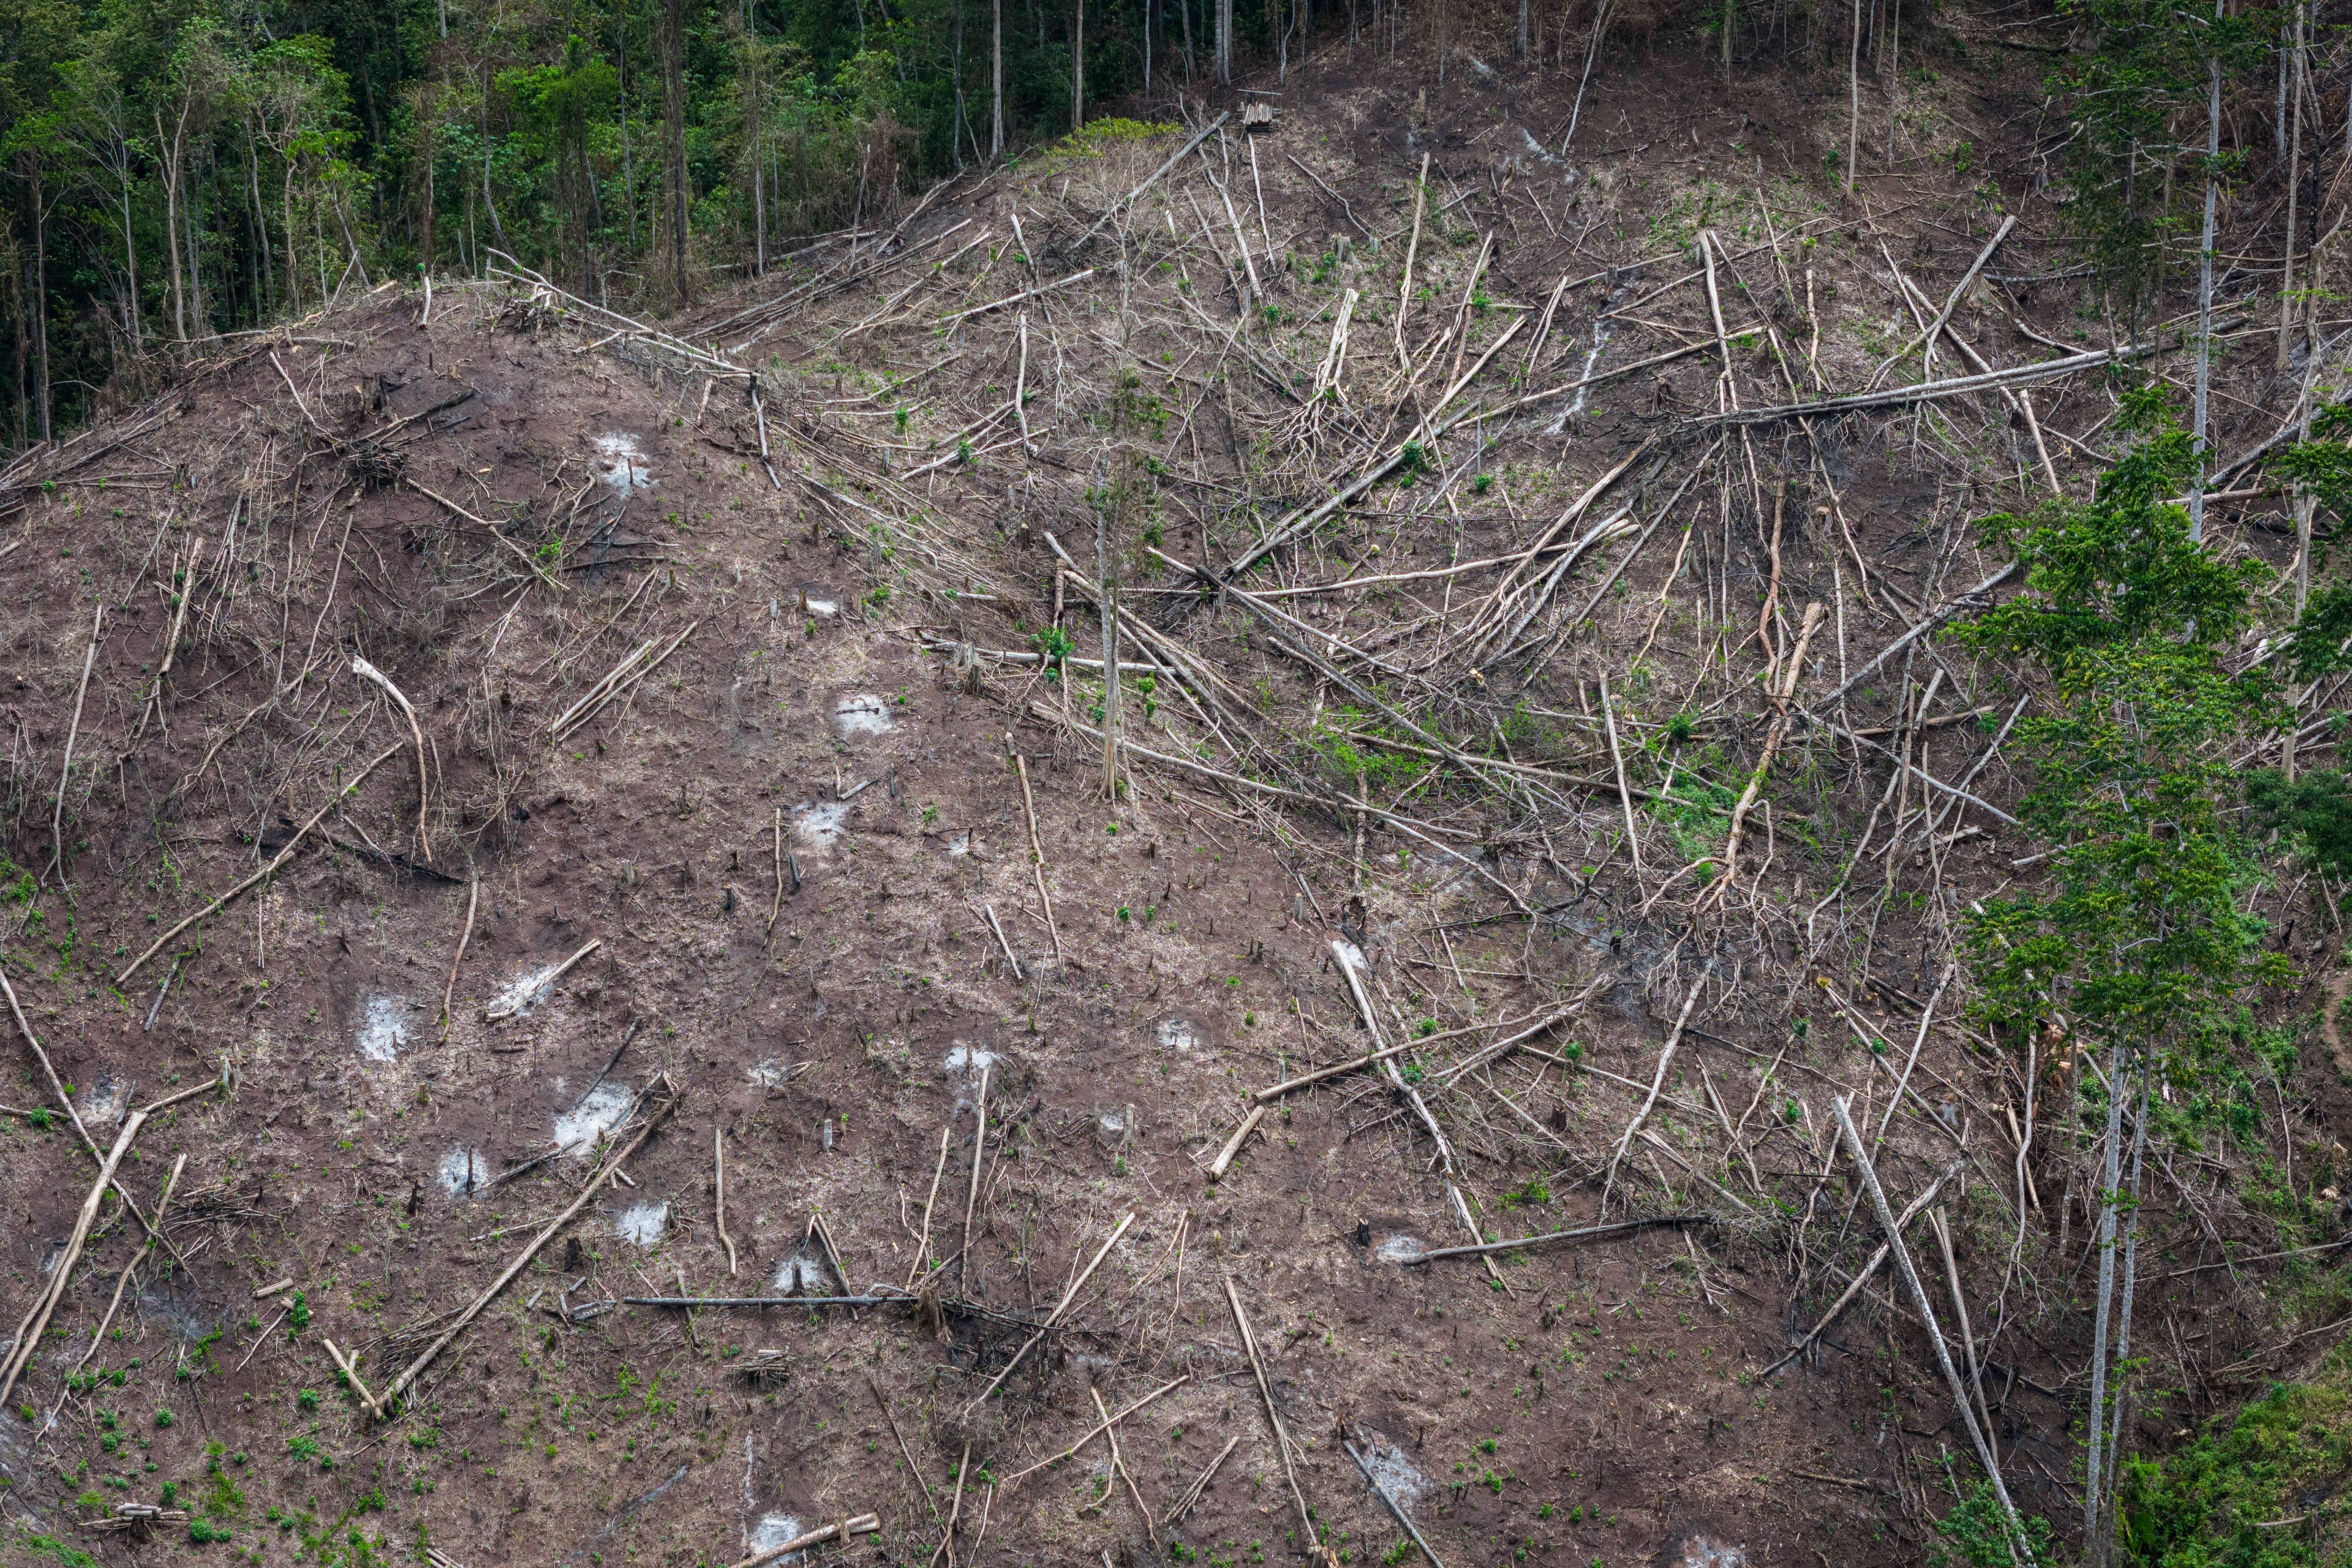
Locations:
{"points": [[1178, 1034], [959, 843], [524, 993], [384, 1028], [644, 1224], [462, 1172], [772, 1530], [1113, 1124], [860, 715], [769, 1073], [819, 825], [1394, 1473], [621, 462], [823, 609], [803, 1274], [103, 1101], [579, 1130], [1705, 1552], [967, 1060], [1399, 1247]]}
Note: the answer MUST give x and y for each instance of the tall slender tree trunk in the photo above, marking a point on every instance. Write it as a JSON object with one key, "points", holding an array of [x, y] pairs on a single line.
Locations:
{"points": [[192, 217], [996, 80], [2110, 1193], [261, 216], [170, 151], [2121, 1398], [2294, 186], [2305, 505], [674, 192], [422, 111], [131, 314], [1078, 65], [1148, 7], [40, 302], [1184, 14], [1106, 595], [2203, 400], [20, 345], [1225, 42], [956, 131], [1854, 99]]}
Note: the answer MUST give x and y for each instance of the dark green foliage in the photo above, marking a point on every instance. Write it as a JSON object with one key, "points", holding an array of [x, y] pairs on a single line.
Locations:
{"points": [[2314, 809], [2264, 1489], [2134, 95], [277, 141], [2137, 931], [1973, 1534]]}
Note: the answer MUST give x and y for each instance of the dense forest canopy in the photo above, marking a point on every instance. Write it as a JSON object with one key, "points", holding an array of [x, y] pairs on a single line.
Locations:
{"points": [[172, 171], [177, 169]]}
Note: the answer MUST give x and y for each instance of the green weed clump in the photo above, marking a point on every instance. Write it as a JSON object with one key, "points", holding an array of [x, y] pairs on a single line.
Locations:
{"points": [[2262, 1489]]}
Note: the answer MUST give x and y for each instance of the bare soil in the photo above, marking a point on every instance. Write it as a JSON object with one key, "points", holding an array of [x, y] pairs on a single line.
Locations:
{"points": [[832, 1010]]}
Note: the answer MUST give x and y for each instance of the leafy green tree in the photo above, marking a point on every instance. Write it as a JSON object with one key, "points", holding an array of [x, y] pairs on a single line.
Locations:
{"points": [[2136, 937]]}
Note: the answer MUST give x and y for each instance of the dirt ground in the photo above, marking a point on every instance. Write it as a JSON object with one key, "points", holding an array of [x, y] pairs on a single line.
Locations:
{"points": [[782, 849]]}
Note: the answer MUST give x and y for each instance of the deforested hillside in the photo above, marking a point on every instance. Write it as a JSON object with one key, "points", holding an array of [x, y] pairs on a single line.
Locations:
{"points": [[1553, 787]]}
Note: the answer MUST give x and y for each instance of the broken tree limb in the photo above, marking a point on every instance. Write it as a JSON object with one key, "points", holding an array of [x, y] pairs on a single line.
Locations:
{"points": [[508, 1006], [473, 898], [1345, 954], [1955, 386], [1273, 1416], [1118, 1465], [718, 1191], [1926, 342], [73, 1115], [1554, 1238], [1910, 1211], [283, 855], [367, 671], [1934, 620], [73, 732], [1657, 1081], [122, 1281], [631, 669], [864, 1524], [36, 1317], [1092, 1433], [1052, 1318], [1303, 520], [349, 1366], [1017, 298], [1224, 1160], [1184, 1505], [1036, 846], [1152, 179], [1401, 824], [2020, 1550], [666, 1102], [1785, 688], [1391, 1504], [531, 562]]}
